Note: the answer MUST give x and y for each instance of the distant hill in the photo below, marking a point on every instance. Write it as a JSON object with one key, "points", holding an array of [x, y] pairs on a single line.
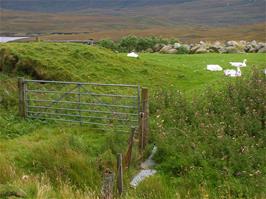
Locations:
{"points": [[70, 5], [93, 16]]}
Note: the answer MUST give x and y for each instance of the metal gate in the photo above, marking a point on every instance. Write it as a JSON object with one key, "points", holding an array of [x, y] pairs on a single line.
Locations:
{"points": [[100, 105]]}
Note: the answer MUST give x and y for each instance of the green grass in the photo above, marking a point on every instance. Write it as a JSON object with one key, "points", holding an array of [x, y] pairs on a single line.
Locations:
{"points": [[88, 63], [190, 70], [66, 161]]}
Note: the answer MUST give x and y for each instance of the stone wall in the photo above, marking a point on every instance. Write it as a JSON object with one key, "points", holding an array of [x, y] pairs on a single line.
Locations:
{"points": [[207, 47]]}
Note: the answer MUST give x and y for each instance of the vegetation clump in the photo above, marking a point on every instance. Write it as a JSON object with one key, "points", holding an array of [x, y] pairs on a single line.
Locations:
{"points": [[215, 141], [134, 43]]}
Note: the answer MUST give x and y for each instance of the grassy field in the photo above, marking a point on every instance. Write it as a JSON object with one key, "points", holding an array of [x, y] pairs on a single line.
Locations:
{"points": [[198, 149], [88, 63]]}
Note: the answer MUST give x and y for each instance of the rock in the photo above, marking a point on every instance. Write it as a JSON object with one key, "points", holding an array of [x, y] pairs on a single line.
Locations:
{"points": [[231, 43], [157, 47], [262, 50], [252, 50], [243, 43], [253, 43], [232, 49], [172, 51], [202, 43], [214, 48], [260, 45], [195, 48], [177, 45], [167, 49], [217, 43], [202, 49], [247, 48], [222, 50]]}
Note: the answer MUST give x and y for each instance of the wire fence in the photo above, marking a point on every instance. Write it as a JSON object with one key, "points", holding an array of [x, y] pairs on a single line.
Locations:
{"points": [[101, 105]]}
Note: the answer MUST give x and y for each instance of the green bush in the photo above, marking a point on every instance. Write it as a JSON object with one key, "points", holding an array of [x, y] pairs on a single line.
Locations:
{"points": [[108, 43], [134, 43], [218, 139], [128, 44], [183, 50]]}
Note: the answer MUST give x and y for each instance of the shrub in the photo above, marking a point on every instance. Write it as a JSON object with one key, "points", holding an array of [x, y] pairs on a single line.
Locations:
{"points": [[218, 139], [134, 43], [108, 43], [129, 43], [183, 50]]}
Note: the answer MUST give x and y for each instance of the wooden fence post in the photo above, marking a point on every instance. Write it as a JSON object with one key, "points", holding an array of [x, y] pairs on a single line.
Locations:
{"points": [[141, 132], [108, 185], [145, 110], [21, 99], [129, 150], [120, 173]]}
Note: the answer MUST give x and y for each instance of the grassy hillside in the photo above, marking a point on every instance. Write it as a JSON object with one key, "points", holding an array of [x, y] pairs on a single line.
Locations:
{"points": [[77, 62], [88, 63], [211, 144]]}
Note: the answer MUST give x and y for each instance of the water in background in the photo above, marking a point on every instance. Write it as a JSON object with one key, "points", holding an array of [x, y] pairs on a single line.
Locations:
{"points": [[7, 39]]}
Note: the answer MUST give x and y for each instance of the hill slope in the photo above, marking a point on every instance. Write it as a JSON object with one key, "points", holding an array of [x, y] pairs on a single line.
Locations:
{"points": [[64, 5], [28, 16], [76, 62]]}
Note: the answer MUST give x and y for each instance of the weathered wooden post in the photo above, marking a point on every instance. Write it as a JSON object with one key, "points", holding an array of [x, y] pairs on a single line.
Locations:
{"points": [[129, 150], [145, 110], [141, 132], [108, 185], [120, 173], [21, 95]]}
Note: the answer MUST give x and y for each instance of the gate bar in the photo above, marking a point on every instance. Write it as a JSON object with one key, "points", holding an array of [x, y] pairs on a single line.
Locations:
{"points": [[90, 111], [81, 93], [82, 103], [83, 83], [71, 115]]}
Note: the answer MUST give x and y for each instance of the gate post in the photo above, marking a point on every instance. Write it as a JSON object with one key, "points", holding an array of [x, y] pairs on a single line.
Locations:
{"points": [[141, 132], [129, 150], [21, 95], [145, 111]]}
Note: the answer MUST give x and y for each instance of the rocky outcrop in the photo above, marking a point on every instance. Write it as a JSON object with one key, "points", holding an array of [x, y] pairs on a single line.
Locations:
{"points": [[157, 47], [168, 49], [177, 45], [208, 47], [262, 50]]}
